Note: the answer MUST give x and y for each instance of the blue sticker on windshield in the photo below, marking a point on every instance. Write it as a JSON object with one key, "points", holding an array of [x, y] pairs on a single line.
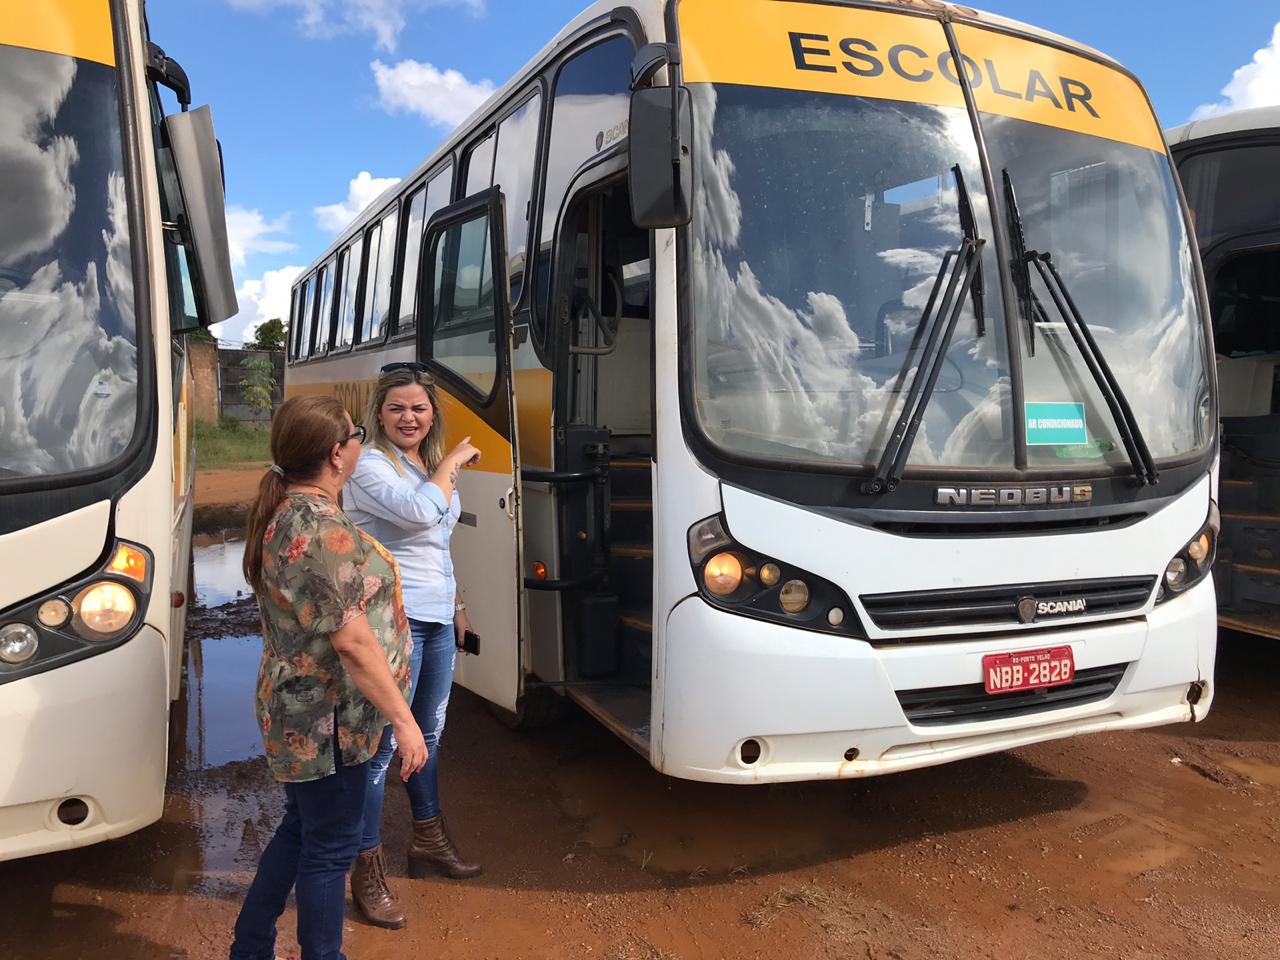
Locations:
{"points": [[1055, 424]]}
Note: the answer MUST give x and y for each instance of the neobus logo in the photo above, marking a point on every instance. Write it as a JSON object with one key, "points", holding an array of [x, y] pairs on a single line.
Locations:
{"points": [[1014, 496]]}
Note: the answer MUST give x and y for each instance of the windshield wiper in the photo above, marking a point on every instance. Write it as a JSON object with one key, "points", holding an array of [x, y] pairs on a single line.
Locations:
{"points": [[941, 325], [1032, 309], [1028, 303], [969, 227], [1144, 466]]}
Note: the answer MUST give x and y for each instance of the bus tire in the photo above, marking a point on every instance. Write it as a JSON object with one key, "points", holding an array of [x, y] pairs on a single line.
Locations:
{"points": [[539, 707]]}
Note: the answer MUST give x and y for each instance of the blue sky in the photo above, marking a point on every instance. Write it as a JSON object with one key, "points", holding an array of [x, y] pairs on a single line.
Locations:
{"points": [[320, 103]]}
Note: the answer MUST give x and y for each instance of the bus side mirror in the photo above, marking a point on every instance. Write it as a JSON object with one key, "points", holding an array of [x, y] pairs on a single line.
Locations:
{"points": [[197, 160], [660, 158]]}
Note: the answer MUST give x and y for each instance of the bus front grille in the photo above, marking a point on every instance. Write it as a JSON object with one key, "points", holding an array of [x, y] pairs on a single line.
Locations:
{"points": [[980, 606], [970, 702]]}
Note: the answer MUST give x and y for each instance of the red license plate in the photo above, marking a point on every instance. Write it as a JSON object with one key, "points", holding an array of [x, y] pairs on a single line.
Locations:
{"points": [[1028, 670]]}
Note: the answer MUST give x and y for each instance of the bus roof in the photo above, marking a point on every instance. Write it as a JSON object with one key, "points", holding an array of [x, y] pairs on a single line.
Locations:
{"points": [[1238, 121], [651, 15]]}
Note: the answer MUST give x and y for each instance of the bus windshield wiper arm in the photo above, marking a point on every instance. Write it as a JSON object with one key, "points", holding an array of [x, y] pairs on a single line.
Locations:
{"points": [[969, 227], [1027, 302], [941, 324], [1144, 466]]}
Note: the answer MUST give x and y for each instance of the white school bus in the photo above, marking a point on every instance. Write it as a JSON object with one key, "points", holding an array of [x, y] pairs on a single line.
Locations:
{"points": [[841, 372], [112, 245]]}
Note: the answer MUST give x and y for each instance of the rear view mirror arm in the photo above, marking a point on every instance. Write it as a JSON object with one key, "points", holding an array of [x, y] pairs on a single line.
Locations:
{"points": [[169, 74]]}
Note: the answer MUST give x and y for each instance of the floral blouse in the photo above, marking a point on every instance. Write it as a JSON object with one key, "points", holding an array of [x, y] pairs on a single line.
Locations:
{"points": [[319, 573]]}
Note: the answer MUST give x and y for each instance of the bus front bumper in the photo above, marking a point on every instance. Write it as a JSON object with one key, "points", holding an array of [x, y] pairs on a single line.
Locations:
{"points": [[94, 730], [811, 700]]}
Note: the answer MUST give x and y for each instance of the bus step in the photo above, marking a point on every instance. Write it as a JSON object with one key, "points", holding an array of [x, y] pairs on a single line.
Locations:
{"points": [[1252, 538], [1244, 585], [631, 521], [630, 479], [636, 640], [631, 575]]}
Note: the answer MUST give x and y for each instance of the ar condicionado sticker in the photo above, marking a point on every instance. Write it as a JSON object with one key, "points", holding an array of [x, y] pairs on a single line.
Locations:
{"points": [[894, 56]]}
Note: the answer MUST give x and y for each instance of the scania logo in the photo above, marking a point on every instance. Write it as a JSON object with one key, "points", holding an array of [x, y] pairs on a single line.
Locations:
{"points": [[1030, 609], [1055, 495]]}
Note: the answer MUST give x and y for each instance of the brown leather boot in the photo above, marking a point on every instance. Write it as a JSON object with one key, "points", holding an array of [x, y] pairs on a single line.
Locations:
{"points": [[373, 899], [433, 852]]}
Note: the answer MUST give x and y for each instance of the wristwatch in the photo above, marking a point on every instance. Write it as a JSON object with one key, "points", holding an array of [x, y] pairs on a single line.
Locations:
{"points": [[459, 607]]}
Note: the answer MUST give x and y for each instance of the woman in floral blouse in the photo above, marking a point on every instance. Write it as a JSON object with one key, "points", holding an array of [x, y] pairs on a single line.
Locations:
{"points": [[335, 669]]}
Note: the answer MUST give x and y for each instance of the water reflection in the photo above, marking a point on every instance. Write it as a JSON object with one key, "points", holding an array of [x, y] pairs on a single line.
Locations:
{"points": [[224, 648], [219, 578]]}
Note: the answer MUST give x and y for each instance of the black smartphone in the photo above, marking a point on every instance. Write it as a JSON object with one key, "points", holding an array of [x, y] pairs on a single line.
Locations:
{"points": [[471, 643]]}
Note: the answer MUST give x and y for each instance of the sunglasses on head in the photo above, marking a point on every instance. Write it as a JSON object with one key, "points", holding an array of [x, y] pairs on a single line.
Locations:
{"points": [[414, 366]]}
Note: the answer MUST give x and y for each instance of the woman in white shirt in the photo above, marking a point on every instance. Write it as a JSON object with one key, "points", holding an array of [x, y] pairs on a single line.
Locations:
{"points": [[404, 494]]}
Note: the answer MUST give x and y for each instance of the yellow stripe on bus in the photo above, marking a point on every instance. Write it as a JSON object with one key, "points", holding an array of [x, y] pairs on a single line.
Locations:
{"points": [[76, 28], [896, 56]]}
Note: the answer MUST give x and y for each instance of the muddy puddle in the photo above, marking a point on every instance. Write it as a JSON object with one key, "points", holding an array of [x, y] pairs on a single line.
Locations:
{"points": [[218, 558], [224, 648]]}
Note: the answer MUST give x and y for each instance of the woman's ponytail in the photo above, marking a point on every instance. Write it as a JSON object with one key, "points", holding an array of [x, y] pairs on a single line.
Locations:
{"points": [[270, 492]]}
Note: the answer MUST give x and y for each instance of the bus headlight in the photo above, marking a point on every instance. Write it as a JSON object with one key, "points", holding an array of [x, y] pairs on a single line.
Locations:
{"points": [[723, 574], [736, 579], [80, 618], [1193, 562], [103, 610], [18, 643]]}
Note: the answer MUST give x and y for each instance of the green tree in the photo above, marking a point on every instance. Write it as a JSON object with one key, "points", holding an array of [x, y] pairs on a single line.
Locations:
{"points": [[270, 335], [257, 383], [201, 335]]}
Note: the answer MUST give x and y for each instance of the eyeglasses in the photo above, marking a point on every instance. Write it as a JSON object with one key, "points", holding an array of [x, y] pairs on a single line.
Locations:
{"points": [[414, 366], [358, 435]]}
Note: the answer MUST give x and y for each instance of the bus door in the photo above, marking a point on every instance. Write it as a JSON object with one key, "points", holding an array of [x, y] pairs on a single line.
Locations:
{"points": [[465, 338], [604, 358]]}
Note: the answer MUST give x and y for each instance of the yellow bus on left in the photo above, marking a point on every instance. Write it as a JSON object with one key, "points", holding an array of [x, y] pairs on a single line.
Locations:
{"points": [[113, 246]]}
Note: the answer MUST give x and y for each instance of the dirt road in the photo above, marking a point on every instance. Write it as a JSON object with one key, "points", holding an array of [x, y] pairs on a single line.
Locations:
{"points": [[1158, 844]]}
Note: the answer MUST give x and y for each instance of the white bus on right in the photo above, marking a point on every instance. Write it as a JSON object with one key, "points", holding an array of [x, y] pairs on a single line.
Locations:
{"points": [[1230, 170]]}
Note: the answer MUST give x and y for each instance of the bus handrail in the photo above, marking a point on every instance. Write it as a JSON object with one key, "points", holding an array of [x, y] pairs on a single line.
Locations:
{"points": [[537, 475]]}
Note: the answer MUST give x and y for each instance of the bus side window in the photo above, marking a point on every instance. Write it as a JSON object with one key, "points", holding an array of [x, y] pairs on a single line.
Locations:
{"points": [[423, 204], [513, 172], [322, 321], [291, 347], [381, 243], [480, 166], [349, 272], [588, 115], [306, 300]]}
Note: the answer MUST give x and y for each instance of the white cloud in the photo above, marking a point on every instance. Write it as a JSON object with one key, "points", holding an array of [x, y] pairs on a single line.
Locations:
{"points": [[1256, 84], [443, 97], [361, 192], [248, 231], [260, 300], [385, 19]]}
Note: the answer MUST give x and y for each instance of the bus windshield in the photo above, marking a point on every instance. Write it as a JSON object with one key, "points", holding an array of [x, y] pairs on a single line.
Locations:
{"points": [[68, 338], [829, 145], [821, 225]]}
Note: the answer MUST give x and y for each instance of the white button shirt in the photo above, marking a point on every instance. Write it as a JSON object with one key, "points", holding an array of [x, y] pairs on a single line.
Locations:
{"points": [[408, 515]]}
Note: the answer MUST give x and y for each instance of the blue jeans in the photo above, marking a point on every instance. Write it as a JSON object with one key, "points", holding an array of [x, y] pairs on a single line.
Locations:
{"points": [[313, 848], [434, 652]]}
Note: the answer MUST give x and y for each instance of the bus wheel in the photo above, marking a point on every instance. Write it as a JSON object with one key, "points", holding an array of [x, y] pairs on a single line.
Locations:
{"points": [[539, 707]]}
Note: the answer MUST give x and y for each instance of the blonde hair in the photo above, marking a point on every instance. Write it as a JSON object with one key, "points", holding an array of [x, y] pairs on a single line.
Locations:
{"points": [[303, 433], [431, 449]]}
